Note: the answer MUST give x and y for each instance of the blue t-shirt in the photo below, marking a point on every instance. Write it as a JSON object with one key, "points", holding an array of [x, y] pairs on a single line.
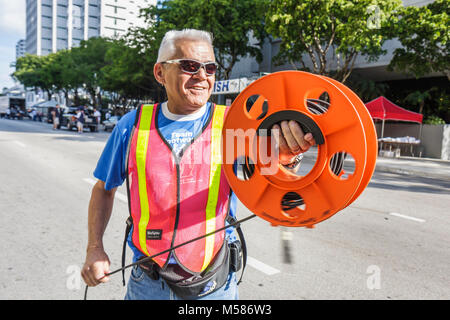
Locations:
{"points": [[177, 130]]}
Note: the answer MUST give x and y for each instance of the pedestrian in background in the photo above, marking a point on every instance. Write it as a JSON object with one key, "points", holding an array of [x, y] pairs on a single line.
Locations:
{"points": [[55, 117], [97, 115], [80, 120]]}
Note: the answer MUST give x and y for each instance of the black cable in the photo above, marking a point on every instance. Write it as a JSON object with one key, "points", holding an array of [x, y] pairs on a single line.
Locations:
{"points": [[237, 222]]}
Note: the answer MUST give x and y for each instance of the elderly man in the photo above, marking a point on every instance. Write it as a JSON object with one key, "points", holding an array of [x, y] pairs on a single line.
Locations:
{"points": [[173, 199]]}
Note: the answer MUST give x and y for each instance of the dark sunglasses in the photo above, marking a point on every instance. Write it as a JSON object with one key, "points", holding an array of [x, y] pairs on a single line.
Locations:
{"points": [[193, 66]]}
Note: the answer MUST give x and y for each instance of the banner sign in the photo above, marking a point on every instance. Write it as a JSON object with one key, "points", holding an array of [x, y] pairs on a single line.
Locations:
{"points": [[231, 86]]}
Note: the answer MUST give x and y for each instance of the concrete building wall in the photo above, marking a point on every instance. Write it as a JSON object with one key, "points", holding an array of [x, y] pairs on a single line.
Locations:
{"points": [[432, 138]]}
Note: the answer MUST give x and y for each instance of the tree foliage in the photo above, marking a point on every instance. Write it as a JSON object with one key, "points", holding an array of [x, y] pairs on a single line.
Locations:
{"points": [[237, 26], [330, 34], [98, 64], [34, 72], [425, 38]]}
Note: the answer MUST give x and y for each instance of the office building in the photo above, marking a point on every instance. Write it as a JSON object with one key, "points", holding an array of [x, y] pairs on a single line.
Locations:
{"points": [[53, 25], [20, 48]]}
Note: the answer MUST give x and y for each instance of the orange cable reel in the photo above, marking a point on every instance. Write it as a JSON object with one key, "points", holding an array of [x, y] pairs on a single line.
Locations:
{"points": [[341, 127]]}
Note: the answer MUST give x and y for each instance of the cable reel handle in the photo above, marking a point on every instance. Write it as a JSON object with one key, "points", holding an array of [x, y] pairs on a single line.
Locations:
{"points": [[306, 123]]}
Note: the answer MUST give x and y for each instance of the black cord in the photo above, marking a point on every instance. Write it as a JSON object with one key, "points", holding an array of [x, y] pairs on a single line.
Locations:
{"points": [[237, 222]]}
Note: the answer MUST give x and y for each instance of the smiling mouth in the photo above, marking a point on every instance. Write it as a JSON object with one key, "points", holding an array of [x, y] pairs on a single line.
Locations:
{"points": [[197, 88]]}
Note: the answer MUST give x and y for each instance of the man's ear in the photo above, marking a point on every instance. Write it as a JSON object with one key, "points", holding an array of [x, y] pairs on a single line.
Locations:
{"points": [[158, 72]]}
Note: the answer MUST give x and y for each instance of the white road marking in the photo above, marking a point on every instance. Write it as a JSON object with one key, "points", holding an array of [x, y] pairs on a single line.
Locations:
{"points": [[23, 145], [262, 266], [118, 195], [406, 217]]}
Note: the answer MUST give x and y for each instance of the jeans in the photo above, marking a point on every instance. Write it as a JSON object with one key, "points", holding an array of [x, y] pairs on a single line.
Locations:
{"points": [[142, 287]]}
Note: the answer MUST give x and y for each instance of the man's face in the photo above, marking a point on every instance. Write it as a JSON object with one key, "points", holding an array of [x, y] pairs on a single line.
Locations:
{"points": [[188, 92]]}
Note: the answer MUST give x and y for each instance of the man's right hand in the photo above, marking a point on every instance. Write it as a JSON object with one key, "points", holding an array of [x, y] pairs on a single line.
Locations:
{"points": [[95, 267]]}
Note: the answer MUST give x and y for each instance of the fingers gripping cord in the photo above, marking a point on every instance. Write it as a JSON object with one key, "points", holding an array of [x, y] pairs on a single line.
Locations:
{"points": [[232, 224]]}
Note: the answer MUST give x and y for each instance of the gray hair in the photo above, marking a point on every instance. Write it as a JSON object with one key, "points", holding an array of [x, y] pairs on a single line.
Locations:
{"points": [[167, 48]]}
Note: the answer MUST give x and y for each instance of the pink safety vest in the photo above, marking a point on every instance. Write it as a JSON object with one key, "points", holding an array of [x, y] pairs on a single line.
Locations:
{"points": [[175, 199]]}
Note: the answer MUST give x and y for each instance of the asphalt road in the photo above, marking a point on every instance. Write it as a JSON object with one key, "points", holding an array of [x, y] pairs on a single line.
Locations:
{"points": [[391, 243]]}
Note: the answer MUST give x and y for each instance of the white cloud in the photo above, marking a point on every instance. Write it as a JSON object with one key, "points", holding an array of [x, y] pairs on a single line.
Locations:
{"points": [[12, 17], [7, 55], [12, 29]]}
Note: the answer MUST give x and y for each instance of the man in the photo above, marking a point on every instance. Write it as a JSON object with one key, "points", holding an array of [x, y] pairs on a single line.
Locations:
{"points": [[96, 116], [80, 120], [173, 200]]}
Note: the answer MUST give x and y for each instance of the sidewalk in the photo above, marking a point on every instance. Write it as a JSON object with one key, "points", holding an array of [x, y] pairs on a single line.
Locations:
{"points": [[422, 167]]}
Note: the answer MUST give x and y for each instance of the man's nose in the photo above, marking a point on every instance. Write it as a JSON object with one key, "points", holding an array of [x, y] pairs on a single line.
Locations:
{"points": [[201, 74]]}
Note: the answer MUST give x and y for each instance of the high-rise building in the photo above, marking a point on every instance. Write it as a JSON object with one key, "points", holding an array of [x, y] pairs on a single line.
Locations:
{"points": [[54, 25], [20, 48]]}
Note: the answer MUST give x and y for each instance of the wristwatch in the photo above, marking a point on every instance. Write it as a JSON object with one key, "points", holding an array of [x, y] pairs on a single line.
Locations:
{"points": [[298, 158]]}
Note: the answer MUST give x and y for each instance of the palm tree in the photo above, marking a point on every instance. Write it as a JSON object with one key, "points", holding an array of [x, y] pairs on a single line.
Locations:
{"points": [[418, 98]]}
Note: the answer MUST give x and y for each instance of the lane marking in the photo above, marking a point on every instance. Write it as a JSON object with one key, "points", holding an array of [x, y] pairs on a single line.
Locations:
{"points": [[406, 217], [261, 266], [118, 195]]}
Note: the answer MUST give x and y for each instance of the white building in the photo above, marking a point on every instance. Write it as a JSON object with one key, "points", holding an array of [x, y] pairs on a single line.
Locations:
{"points": [[54, 25]]}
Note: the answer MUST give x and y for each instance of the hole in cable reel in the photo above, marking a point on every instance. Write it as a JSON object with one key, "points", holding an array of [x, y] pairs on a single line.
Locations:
{"points": [[243, 168], [256, 107], [319, 105], [342, 164], [291, 201]]}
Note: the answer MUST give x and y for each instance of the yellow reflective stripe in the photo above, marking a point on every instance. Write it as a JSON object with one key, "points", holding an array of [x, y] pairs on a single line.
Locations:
{"points": [[214, 182], [141, 159]]}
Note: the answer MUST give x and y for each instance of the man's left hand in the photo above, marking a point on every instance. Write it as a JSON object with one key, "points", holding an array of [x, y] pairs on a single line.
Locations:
{"points": [[291, 140]]}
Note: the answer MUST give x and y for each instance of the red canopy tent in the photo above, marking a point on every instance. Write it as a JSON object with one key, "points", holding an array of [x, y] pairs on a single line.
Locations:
{"points": [[383, 109]]}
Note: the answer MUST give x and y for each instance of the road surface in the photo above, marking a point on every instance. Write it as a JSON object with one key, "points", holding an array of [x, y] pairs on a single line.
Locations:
{"points": [[391, 243]]}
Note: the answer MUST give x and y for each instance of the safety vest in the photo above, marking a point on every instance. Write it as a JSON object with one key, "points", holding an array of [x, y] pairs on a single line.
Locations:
{"points": [[176, 198]]}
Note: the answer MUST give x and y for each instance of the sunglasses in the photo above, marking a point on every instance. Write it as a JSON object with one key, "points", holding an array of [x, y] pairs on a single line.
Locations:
{"points": [[193, 66]]}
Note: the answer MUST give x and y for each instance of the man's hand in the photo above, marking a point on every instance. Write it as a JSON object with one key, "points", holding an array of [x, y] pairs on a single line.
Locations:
{"points": [[97, 261], [96, 266], [291, 140]]}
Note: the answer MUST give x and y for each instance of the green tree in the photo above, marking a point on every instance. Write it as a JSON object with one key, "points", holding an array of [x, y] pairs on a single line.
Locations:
{"points": [[330, 34], [424, 35], [34, 72], [367, 89], [70, 79], [419, 98], [126, 73], [89, 59], [235, 24]]}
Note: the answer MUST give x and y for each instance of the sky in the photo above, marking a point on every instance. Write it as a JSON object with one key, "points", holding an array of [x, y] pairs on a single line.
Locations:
{"points": [[12, 29]]}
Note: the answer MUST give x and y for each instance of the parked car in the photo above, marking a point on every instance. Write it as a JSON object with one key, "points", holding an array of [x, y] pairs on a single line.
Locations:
{"points": [[69, 119], [111, 123]]}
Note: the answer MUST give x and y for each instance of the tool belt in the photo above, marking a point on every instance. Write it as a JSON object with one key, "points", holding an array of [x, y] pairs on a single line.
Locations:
{"points": [[231, 258]]}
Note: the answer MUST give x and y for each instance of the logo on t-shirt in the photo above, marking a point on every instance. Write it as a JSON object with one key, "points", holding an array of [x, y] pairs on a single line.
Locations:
{"points": [[179, 138]]}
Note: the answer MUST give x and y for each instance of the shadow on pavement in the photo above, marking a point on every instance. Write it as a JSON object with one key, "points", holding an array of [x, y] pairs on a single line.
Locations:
{"points": [[394, 181]]}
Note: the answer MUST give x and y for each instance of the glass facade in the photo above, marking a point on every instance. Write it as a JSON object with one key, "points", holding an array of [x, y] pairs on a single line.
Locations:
{"points": [[54, 25]]}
